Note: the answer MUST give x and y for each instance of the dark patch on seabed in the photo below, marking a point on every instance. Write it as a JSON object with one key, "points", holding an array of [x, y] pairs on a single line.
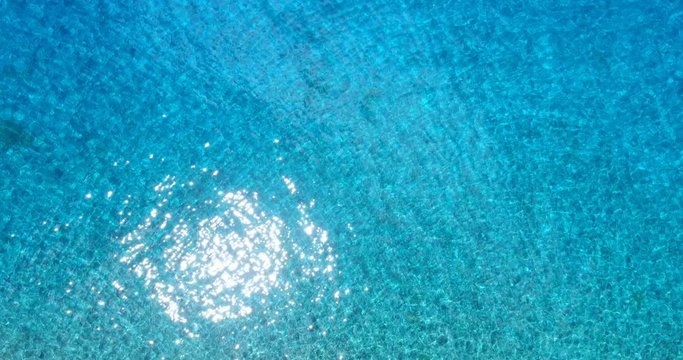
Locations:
{"points": [[14, 134]]}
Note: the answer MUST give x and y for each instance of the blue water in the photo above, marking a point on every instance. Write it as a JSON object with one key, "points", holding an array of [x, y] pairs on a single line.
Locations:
{"points": [[341, 180]]}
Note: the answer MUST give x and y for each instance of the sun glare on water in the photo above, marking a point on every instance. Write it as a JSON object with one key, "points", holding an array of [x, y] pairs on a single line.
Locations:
{"points": [[224, 257]]}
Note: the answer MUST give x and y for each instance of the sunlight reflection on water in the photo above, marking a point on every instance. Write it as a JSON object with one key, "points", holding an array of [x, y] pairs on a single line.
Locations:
{"points": [[223, 258]]}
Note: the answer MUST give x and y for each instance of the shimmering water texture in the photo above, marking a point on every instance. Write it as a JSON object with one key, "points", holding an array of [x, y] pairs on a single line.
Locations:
{"points": [[341, 180], [227, 264]]}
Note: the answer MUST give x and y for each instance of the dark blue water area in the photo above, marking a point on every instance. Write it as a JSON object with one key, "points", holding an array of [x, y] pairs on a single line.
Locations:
{"points": [[341, 180]]}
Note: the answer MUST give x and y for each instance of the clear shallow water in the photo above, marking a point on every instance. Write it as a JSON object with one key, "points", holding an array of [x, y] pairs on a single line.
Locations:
{"points": [[325, 180]]}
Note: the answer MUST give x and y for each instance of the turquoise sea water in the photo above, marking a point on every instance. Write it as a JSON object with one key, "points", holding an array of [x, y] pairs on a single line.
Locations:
{"points": [[341, 180]]}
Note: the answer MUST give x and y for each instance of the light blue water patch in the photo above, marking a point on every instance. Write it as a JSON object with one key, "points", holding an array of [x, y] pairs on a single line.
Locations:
{"points": [[266, 180]]}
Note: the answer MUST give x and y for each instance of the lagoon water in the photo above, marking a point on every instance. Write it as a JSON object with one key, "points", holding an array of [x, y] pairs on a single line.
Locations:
{"points": [[341, 180]]}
